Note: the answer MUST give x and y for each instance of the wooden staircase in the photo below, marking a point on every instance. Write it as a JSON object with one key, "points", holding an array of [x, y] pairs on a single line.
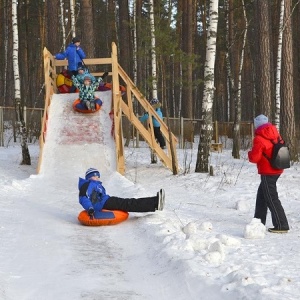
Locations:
{"points": [[120, 107]]}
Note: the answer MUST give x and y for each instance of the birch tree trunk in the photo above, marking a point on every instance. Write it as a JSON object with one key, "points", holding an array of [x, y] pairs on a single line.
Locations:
{"points": [[206, 131], [153, 52], [230, 80], [278, 71], [153, 63], [134, 44], [62, 23], [72, 9], [23, 133]]}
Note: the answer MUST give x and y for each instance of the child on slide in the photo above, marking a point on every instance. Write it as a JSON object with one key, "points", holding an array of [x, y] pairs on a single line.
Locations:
{"points": [[87, 91], [93, 197]]}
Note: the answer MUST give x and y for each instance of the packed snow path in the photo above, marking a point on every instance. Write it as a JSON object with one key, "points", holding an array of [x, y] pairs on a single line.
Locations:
{"points": [[57, 258]]}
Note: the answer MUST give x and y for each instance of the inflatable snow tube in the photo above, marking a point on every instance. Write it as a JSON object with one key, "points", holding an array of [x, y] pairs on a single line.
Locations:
{"points": [[103, 217], [80, 107], [64, 83], [108, 87]]}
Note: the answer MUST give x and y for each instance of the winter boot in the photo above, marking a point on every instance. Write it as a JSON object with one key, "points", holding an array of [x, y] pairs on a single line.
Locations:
{"points": [[88, 105], [161, 199], [276, 230]]}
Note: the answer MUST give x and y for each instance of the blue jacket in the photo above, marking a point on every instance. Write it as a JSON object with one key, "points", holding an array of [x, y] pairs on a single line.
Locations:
{"points": [[92, 194], [155, 122], [73, 54]]}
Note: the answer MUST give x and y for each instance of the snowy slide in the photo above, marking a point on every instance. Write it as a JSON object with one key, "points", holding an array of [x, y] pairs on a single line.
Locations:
{"points": [[77, 141]]}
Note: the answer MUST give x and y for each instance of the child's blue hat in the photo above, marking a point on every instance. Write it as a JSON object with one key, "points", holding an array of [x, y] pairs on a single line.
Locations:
{"points": [[91, 172]]}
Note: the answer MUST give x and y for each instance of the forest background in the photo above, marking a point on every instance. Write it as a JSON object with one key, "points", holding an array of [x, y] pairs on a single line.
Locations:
{"points": [[246, 58]]}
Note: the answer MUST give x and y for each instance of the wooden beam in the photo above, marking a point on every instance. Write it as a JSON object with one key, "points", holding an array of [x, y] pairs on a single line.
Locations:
{"points": [[119, 107]]}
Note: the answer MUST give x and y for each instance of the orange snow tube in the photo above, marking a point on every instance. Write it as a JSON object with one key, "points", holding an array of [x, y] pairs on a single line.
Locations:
{"points": [[103, 217], [81, 108], [108, 86]]}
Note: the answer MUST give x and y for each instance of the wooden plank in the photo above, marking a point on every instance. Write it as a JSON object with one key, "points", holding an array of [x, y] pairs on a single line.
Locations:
{"points": [[119, 106], [87, 61]]}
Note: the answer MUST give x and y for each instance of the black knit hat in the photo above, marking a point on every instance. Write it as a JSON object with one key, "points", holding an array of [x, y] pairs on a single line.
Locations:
{"points": [[75, 39]]}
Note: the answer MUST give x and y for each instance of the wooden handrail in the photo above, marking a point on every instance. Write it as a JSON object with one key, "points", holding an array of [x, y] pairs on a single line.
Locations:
{"points": [[119, 107]]}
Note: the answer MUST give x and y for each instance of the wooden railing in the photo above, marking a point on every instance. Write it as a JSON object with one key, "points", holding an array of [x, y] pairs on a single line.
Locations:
{"points": [[119, 107]]}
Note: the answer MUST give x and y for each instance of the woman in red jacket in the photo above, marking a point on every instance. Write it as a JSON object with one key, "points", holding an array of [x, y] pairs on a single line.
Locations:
{"points": [[267, 196]]}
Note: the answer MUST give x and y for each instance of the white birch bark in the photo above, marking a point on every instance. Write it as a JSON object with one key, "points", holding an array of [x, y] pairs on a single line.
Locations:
{"points": [[230, 81], [6, 53], [15, 52], [22, 127], [153, 53], [62, 22], [72, 8], [278, 71], [202, 164], [134, 45], [209, 68], [242, 54]]}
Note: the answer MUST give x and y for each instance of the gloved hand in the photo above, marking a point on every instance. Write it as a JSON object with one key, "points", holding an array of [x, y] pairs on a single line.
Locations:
{"points": [[88, 104], [91, 211], [93, 105], [94, 197], [104, 75]]}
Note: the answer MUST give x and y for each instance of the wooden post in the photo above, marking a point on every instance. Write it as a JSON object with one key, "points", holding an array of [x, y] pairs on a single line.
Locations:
{"points": [[117, 112]]}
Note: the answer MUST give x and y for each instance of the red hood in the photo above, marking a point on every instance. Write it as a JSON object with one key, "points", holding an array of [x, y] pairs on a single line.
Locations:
{"points": [[267, 131]]}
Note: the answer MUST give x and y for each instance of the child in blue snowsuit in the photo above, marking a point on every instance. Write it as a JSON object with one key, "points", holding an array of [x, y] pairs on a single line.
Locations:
{"points": [[87, 91], [156, 126], [74, 54], [93, 197]]}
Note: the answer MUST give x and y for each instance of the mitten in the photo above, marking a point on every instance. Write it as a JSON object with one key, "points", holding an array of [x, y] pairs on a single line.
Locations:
{"points": [[94, 197], [104, 75], [88, 105], [93, 106]]}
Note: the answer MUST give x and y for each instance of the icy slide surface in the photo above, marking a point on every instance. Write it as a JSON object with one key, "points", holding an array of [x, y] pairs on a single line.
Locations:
{"points": [[77, 141]]}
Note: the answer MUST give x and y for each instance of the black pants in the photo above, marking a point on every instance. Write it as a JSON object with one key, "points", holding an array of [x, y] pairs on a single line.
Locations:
{"points": [[159, 137], [267, 198], [132, 204]]}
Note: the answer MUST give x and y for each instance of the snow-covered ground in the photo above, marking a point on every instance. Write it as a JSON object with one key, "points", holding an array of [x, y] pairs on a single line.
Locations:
{"points": [[204, 245]]}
